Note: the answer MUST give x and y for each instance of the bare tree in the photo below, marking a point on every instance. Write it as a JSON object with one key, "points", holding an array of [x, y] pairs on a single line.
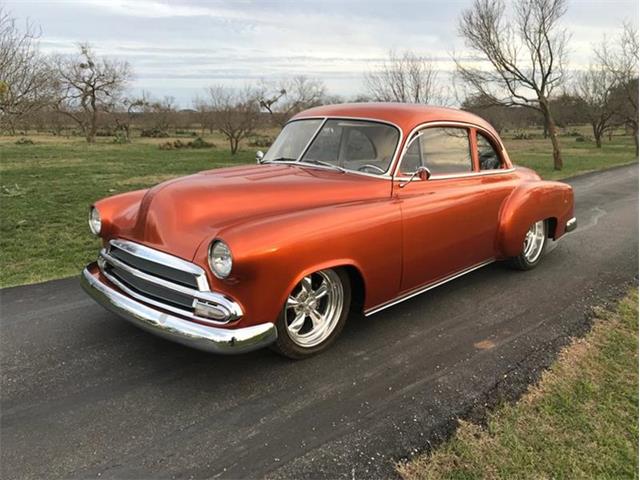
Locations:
{"points": [[204, 114], [405, 78], [285, 98], [621, 59], [526, 55], [235, 112], [24, 78], [134, 107], [596, 87], [88, 86], [163, 113]]}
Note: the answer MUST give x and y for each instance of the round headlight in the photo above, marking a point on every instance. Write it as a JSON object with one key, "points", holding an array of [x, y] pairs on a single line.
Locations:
{"points": [[220, 259], [95, 222]]}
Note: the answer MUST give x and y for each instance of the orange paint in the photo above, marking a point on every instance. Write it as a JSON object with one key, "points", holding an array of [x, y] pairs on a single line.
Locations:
{"points": [[283, 221]]}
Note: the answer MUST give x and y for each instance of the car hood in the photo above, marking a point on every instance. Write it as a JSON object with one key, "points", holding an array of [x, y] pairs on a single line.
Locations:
{"points": [[178, 215]]}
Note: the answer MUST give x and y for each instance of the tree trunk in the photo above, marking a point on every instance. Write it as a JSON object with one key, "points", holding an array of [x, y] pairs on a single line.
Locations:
{"points": [[91, 134], [553, 133], [597, 135], [93, 125]]}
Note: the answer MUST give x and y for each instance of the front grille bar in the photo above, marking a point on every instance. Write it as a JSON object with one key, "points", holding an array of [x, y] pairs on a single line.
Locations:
{"points": [[109, 266], [163, 259]]}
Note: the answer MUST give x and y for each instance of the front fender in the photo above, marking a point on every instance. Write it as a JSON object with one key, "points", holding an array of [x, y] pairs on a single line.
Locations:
{"points": [[119, 213], [527, 204], [272, 254]]}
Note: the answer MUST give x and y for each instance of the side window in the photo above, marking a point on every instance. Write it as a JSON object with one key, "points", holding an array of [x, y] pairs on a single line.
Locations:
{"points": [[444, 150], [411, 160], [487, 155]]}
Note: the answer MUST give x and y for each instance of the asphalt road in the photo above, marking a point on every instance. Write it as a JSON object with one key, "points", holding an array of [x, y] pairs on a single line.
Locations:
{"points": [[85, 394]]}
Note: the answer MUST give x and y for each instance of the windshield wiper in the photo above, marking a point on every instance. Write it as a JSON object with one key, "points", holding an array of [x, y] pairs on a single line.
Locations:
{"points": [[326, 164], [279, 159]]}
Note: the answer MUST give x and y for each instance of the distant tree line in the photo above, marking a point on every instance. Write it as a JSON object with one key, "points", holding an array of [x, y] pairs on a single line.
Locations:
{"points": [[515, 74]]}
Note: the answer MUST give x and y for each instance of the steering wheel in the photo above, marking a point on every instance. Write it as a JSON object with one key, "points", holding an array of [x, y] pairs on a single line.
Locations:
{"points": [[368, 165]]}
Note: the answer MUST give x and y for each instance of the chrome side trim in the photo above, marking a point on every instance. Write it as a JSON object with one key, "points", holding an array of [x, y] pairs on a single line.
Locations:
{"points": [[162, 258], [202, 337], [572, 224], [423, 289], [463, 175]]}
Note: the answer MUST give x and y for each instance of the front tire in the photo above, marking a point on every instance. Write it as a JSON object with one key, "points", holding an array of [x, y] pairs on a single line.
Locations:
{"points": [[532, 248], [314, 314]]}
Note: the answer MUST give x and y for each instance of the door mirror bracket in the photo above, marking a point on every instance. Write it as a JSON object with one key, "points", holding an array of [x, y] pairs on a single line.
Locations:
{"points": [[423, 173]]}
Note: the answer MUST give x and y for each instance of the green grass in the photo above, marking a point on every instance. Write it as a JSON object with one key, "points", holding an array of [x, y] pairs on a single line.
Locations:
{"points": [[580, 421], [578, 157], [46, 188]]}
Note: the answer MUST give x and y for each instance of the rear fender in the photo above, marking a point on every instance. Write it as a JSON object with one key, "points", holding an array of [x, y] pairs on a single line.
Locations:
{"points": [[528, 203]]}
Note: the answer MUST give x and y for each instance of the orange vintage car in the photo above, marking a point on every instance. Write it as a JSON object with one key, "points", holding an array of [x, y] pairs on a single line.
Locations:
{"points": [[354, 207]]}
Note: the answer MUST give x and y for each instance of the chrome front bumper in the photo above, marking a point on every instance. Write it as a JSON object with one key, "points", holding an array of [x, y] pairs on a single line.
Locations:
{"points": [[572, 224], [202, 337]]}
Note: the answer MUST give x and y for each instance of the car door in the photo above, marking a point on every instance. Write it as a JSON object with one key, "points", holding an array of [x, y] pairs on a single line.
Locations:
{"points": [[446, 226]]}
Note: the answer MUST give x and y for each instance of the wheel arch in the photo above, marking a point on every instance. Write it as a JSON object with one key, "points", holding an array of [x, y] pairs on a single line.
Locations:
{"points": [[352, 269], [528, 203]]}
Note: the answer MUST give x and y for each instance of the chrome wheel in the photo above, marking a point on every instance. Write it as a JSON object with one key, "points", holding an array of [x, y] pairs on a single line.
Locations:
{"points": [[314, 308], [534, 242]]}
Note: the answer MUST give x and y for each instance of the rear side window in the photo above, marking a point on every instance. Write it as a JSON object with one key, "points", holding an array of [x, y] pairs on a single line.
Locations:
{"points": [[487, 155], [444, 150]]}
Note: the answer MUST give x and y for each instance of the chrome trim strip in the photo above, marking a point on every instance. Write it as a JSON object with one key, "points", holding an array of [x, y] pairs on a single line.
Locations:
{"points": [[229, 309], [423, 289], [463, 175], [162, 258], [210, 339], [572, 224]]}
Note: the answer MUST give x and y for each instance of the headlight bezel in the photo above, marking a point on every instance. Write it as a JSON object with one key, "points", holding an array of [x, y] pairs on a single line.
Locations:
{"points": [[95, 221], [220, 259]]}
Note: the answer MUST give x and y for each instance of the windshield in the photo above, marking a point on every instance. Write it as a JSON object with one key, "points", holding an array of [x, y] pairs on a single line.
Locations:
{"points": [[357, 145], [292, 139]]}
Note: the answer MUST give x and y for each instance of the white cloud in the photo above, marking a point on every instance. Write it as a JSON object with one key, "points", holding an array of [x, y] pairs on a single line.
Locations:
{"points": [[178, 47]]}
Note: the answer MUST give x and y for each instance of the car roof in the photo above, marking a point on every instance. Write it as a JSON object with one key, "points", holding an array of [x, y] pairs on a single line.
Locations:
{"points": [[407, 116]]}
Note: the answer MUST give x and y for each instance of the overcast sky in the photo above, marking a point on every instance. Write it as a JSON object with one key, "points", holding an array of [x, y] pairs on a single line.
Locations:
{"points": [[178, 47]]}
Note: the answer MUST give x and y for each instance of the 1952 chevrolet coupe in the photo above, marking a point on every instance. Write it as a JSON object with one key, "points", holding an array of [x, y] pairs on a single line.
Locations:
{"points": [[356, 206]]}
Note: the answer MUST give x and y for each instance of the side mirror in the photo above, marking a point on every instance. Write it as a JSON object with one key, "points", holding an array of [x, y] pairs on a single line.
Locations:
{"points": [[423, 173], [259, 156]]}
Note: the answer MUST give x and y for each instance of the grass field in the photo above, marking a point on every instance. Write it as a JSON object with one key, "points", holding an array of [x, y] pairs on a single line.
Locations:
{"points": [[46, 188], [580, 421]]}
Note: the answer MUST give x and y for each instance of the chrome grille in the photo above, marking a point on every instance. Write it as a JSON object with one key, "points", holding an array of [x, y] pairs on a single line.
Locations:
{"points": [[157, 292], [118, 250], [162, 280]]}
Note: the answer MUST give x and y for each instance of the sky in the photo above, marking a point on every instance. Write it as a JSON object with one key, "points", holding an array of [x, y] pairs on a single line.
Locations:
{"points": [[177, 48]]}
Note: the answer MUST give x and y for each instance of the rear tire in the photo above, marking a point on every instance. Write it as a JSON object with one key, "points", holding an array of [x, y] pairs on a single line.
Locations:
{"points": [[314, 315], [532, 248]]}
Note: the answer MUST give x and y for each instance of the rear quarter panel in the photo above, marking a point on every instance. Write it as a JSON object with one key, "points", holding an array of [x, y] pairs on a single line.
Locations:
{"points": [[533, 200]]}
